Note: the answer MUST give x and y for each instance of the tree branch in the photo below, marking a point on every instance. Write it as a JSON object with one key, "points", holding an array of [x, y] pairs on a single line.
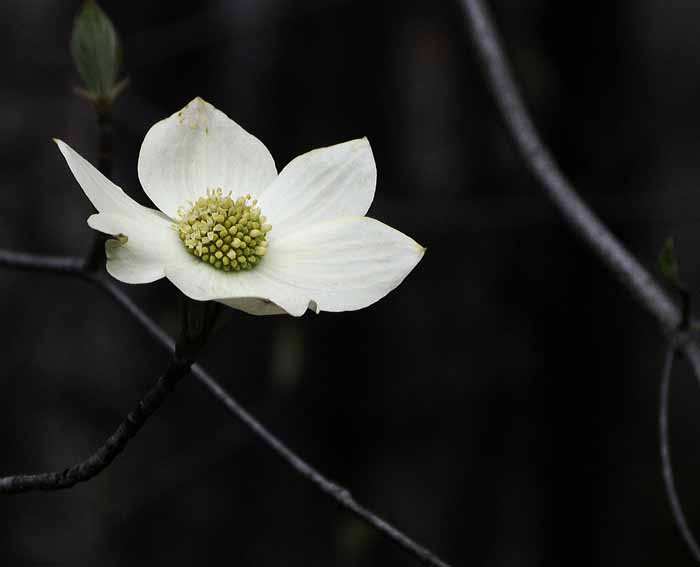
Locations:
{"points": [[340, 494], [590, 229], [34, 262], [115, 444], [577, 214], [665, 453]]}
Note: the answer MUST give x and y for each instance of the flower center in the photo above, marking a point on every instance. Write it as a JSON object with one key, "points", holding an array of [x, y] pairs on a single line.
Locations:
{"points": [[228, 234]]}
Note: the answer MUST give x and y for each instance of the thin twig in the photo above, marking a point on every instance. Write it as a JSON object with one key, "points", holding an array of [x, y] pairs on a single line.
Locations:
{"points": [[34, 262], [114, 445], [578, 215], [665, 452], [340, 494]]}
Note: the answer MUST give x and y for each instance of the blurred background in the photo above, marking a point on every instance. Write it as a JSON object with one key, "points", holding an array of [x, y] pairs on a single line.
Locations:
{"points": [[499, 406]]}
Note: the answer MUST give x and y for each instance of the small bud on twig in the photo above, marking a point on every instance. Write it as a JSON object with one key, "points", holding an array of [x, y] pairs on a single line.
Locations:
{"points": [[670, 270], [668, 264], [97, 54]]}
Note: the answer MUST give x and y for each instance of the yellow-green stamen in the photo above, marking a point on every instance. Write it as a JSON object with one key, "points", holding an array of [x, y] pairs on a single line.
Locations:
{"points": [[228, 234]]}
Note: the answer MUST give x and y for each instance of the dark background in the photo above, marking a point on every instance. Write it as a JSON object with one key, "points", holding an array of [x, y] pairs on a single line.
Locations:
{"points": [[499, 406]]}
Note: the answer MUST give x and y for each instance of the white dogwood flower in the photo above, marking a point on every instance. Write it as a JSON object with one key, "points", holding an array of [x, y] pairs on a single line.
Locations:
{"points": [[230, 229]]}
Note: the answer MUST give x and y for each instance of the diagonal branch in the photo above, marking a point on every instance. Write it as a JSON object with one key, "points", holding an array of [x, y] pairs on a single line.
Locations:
{"points": [[340, 494], [115, 444], [583, 221], [665, 453], [590, 229]]}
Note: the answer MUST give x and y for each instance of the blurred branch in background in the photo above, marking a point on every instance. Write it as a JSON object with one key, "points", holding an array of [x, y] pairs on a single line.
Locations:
{"points": [[674, 321], [576, 213], [51, 481], [665, 452]]}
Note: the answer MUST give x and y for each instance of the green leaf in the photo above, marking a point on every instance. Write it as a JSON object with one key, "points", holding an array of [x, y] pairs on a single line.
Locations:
{"points": [[668, 264], [96, 51]]}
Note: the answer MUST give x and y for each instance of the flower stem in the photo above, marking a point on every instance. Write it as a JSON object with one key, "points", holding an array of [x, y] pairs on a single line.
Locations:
{"points": [[103, 111], [198, 321]]}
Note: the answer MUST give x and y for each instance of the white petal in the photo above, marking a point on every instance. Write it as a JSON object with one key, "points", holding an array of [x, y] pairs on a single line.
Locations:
{"points": [[250, 291], [151, 242], [339, 265], [321, 185], [254, 306], [105, 196], [200, 148], [345, 264], [149, 245]]}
